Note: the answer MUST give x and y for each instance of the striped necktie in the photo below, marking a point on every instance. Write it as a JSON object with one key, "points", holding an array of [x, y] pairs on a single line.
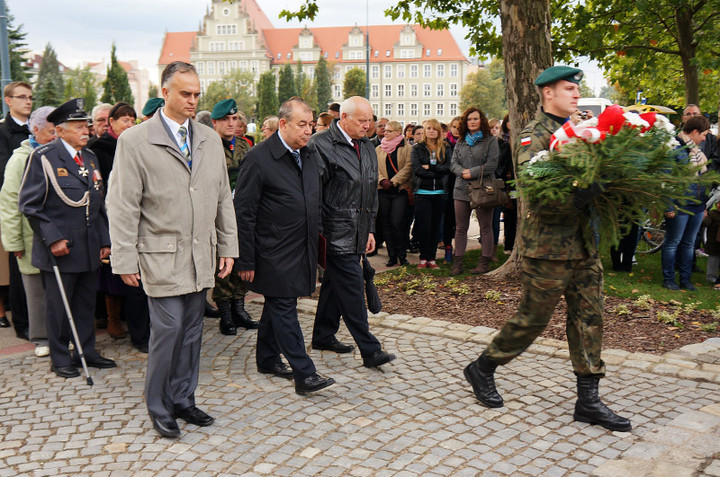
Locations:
{"points": [[184, 148], [296, 156]]}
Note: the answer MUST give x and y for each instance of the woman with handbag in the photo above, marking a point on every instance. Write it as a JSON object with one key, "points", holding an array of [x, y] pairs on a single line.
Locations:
{"points": [[475, 157], [394, 172], [431, 173]]}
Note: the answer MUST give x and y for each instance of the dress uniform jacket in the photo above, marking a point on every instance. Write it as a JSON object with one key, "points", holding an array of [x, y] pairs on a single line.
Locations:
{"points": [[556, 231], [350, 199], [278, 215], [170, 222], [52, 181]]}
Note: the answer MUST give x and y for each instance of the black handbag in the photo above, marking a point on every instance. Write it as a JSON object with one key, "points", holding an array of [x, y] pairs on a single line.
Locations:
{"points": [[487, 192], [373, 298]]}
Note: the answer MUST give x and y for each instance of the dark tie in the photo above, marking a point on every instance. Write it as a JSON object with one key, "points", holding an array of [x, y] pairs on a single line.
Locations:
{"points": [[184, 148], [356, 145], [78, 159], [296, 156]]}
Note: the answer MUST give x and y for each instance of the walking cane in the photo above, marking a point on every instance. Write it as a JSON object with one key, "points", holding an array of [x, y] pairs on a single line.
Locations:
{"points": [[70, 316]]}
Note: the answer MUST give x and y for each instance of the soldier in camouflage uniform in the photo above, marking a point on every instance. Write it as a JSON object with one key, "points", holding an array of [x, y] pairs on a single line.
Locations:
{"points": [[229, 292], [559, 257]]}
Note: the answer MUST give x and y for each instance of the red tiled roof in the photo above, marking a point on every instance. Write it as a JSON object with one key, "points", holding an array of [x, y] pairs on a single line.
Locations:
{"points": [[382, 39], [261, 21], [176, 47]]}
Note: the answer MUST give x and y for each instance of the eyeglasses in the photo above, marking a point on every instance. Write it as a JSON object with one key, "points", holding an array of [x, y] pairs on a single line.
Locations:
{"points": [[22, 97]]}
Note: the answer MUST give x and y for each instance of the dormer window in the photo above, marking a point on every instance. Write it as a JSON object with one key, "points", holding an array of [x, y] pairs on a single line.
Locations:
{"points": [[427, 52], [279, 56], [439, 51], [387, 53], [289, 55]]}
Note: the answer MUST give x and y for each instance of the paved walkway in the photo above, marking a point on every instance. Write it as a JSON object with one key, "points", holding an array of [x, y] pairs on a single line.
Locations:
{"points": [[419, 417]]}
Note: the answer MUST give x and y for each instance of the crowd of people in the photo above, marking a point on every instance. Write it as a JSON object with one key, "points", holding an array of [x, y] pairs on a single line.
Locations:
{"points": [[141, 217]]}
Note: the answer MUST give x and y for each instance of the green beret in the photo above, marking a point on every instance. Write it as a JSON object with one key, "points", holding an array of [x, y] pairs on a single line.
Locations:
{"points": [[556, 73], [223, 108], [152, 105]]}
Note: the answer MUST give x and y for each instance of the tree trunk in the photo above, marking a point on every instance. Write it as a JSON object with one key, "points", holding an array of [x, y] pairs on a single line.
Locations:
{"points": [[527, 50], [687, 46]]}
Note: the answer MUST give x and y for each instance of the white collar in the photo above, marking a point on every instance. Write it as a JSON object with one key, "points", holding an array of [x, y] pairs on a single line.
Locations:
{"points": [[71, 150], [347, 136], [19, 123], [286, 144], [175, 126]]}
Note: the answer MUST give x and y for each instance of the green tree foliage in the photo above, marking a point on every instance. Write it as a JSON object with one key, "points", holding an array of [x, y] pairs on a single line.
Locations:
{"points": [[49, 87], [153, 91], [354, 84], [81, 83], [485, 89], [585, 90], [286, 84], [16, 39], [116, 86], [238, 85], [300, 78], [323, 84], [267, 96]]}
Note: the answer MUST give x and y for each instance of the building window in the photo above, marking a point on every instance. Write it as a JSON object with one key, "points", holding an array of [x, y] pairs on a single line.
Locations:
{"points": [[453, 90], [279, 56], [414, 90], [388, 90], [243, 65], [232, 65], [440, 90], [427, 52], [454, 70], [217, 46], [306, 56], [221, 67], [375, 71], [226, 29], [254, 66], [375, 91], [336, 91], [289, 55], [356, 41], [202, 85], [440, 71], [387, 71], [407, 53], [387, 53], [357, 55], [401, 90], [427, 110], [336, 73], [413, 71], [310, 70], [439, 51], [427, 71], [440, 110], [211, 67], [400, 71], [453, 109], [413, 110], [427, 90], [375, 109], [401, 109], [376, 53], [348, 68], [388, 109], [200, 67]]}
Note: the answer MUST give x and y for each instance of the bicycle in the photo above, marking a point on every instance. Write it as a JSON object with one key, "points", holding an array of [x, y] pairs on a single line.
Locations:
{"points": [[652, 236]]}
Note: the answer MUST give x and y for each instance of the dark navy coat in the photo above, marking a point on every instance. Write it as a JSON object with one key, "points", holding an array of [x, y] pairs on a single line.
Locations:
{"points": [[53, 219], [278, 217]]}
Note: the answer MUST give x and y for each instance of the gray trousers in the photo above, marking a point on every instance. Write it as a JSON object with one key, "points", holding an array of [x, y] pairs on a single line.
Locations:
{"points": [[176, 325], [713, 262], [35, 295]]}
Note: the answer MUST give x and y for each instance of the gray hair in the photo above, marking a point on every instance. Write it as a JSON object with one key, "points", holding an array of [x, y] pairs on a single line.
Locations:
{"points": [[286, 108], [38, 118], [203, 117], [272, 122], [100, 107], [350, 105], [173, 68]]}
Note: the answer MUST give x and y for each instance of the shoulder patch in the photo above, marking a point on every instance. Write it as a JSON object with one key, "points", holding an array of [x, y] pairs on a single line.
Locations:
{"points": [[525, 141]]}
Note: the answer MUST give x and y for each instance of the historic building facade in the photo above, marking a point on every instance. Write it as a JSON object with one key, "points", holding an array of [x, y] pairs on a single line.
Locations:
{"points": [[415, 73]]}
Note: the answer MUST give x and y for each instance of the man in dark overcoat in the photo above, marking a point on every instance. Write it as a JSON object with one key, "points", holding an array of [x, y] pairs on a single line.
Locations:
{"points": [[277, 202], [62, 196]]}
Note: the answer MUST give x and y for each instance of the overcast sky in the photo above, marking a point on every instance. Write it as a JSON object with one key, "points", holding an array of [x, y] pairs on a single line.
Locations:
{"points": [[81, 30]]}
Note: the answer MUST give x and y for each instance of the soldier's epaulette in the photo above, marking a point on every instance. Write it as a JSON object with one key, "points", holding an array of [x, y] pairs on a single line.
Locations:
{"points": [[43, 148]]}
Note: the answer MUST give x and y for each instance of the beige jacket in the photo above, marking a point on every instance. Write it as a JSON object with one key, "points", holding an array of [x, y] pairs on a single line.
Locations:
{"points": [[167, 222], [404, 173]]}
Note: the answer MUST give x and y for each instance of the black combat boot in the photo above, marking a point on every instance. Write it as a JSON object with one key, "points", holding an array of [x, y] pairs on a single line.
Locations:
{"points": [[241, 317], [227, 326], [211, 311], [590, 409], [480, 374]]}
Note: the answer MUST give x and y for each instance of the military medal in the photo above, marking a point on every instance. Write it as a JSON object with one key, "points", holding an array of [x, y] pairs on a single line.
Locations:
{"points": [[83, 171], [97, 179]]}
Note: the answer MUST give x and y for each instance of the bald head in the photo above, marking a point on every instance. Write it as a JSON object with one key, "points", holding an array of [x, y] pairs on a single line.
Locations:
{"points": [[355, 116]]}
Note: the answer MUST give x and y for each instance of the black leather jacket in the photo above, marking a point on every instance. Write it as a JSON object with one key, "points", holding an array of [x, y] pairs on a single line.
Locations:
{"points": [[349, 195], [435, 177]]}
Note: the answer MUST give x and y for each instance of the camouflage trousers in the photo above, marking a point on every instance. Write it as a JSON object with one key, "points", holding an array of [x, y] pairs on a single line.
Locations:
{"points": [[229, 288], [544, 282]]}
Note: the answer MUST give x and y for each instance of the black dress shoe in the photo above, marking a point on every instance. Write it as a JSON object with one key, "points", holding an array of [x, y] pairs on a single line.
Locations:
{"points": [[65, 371], [378, 358], [23, 334], [4, 323], [392, 262], [312, 383], [281, 370], [481, 375], [687, 286], [403, 262], [193, 415], [211, 311], [143, 348], [166, 426], [99, 362], [334, 345]]}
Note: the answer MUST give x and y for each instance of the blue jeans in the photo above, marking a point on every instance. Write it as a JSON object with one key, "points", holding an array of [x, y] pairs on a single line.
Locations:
{"points": [[680, 232]]}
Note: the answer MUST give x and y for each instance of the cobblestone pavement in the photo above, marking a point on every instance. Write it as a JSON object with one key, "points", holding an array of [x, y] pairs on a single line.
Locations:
{"points": [[418, 417]]}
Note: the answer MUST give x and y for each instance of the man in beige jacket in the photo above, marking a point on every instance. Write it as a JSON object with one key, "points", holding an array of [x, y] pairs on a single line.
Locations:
{"points": [[171, 215]]}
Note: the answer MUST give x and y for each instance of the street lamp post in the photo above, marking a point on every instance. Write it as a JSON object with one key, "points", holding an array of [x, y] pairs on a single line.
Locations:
{"points": [[367, 49], [4, 53]]}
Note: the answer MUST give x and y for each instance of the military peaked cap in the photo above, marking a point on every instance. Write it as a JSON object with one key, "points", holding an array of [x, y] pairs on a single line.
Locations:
{"points": [[73, 110]]}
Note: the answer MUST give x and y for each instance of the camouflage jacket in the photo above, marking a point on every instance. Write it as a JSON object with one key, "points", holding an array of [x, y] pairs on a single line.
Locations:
{"points": [[555, 231], [234, 156]]}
